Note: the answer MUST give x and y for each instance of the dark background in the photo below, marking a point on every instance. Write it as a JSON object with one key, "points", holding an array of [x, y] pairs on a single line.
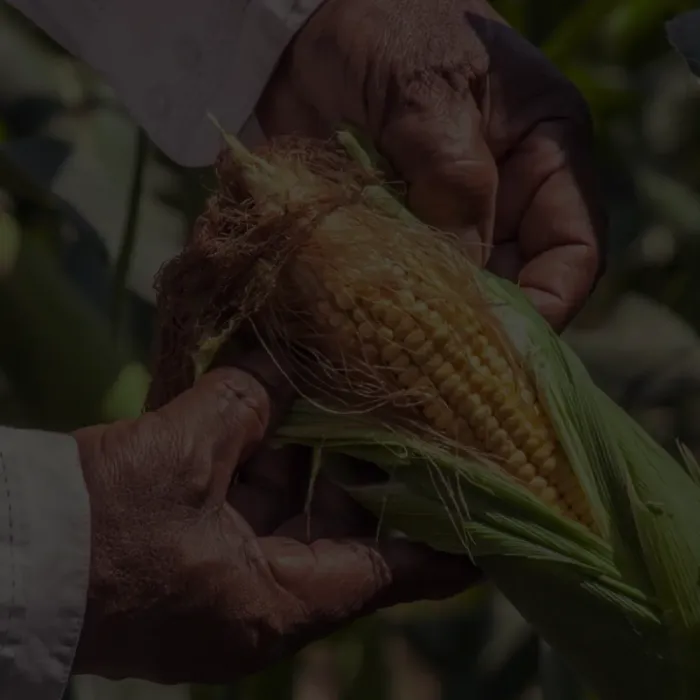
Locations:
{"points": [[90, 210]]}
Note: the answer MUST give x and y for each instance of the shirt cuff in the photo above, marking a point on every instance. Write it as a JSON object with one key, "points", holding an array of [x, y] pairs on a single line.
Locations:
{"points": [[267, 28], [44, 562], [209, 57]]}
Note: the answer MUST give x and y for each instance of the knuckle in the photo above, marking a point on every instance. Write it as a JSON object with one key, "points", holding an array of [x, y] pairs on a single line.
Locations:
{"points": [[242, 400], [281, 611]]}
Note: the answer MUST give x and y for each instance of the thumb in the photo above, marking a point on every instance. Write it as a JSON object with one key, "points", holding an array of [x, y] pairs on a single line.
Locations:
{"points": [[227, 414], [337, 581], [434, 141]]}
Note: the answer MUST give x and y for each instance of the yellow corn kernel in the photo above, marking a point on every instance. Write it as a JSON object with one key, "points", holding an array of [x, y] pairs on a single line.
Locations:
{"points": [[473, 392]]}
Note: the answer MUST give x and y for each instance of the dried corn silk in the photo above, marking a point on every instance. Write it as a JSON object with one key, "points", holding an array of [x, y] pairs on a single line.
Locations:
{"points": [[373, 313]]}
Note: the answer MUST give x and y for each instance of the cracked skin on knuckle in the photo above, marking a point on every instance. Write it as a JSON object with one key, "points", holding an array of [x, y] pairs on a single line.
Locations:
{"points": [[242, 404]]}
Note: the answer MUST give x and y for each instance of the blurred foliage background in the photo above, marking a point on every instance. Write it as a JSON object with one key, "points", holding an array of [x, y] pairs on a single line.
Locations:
{"points": [[89, 210]]}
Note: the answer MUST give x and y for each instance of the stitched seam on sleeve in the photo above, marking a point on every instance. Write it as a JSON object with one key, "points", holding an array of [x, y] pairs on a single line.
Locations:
{"points": [[11, 541]]}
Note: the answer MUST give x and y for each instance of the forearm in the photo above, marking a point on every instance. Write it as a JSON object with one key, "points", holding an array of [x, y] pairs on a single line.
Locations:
{"points": [[44, 562], [174, 61]]}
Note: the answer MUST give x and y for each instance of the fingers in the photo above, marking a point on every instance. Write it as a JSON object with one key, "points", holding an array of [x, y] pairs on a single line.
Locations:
{"points": [[270, 373], [421, 573], [289, 593], [272, 492], [221, 420], [337, 580], [549, 207], [434, 141], [271, 488]]}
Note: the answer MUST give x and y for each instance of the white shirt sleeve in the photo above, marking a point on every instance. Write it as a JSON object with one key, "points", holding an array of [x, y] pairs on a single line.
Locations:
{"points": [[44, 562], [172, 62]]}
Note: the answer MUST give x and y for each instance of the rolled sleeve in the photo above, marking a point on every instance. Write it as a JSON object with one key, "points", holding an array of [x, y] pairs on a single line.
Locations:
{"points": [[235, 65], [44, 562], [172, 62], [209, 57]]}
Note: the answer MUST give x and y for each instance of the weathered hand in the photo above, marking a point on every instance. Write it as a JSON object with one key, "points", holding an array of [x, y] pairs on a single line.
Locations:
{"points": [[491, 139], [195, 579]]}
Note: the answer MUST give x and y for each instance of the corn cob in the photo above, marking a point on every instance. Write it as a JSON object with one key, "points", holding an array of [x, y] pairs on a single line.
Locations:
{"points": [[402, 314], [461, 381], [431, 350], [378, 314]]}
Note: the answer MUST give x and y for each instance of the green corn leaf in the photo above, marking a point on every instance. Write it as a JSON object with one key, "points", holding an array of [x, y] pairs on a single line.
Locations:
{"points": [[622, 605]]}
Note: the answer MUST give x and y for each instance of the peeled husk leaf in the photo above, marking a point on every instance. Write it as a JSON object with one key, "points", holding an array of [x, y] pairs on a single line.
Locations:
{"points": [[623, 602]]}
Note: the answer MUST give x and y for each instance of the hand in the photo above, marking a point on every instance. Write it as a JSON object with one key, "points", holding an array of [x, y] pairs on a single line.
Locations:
{"points": [[196, 579], [491, 140]]}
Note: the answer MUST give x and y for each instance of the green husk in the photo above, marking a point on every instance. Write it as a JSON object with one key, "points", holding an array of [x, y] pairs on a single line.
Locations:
{"points": [[623, 606]]}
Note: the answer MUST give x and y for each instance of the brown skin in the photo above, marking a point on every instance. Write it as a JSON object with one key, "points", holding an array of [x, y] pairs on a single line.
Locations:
{"points": [[194, 579], [491, 139]]}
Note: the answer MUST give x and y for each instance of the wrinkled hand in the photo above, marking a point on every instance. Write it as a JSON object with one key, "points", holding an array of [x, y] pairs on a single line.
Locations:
{"points": [[195, 578], [492, 141]]}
